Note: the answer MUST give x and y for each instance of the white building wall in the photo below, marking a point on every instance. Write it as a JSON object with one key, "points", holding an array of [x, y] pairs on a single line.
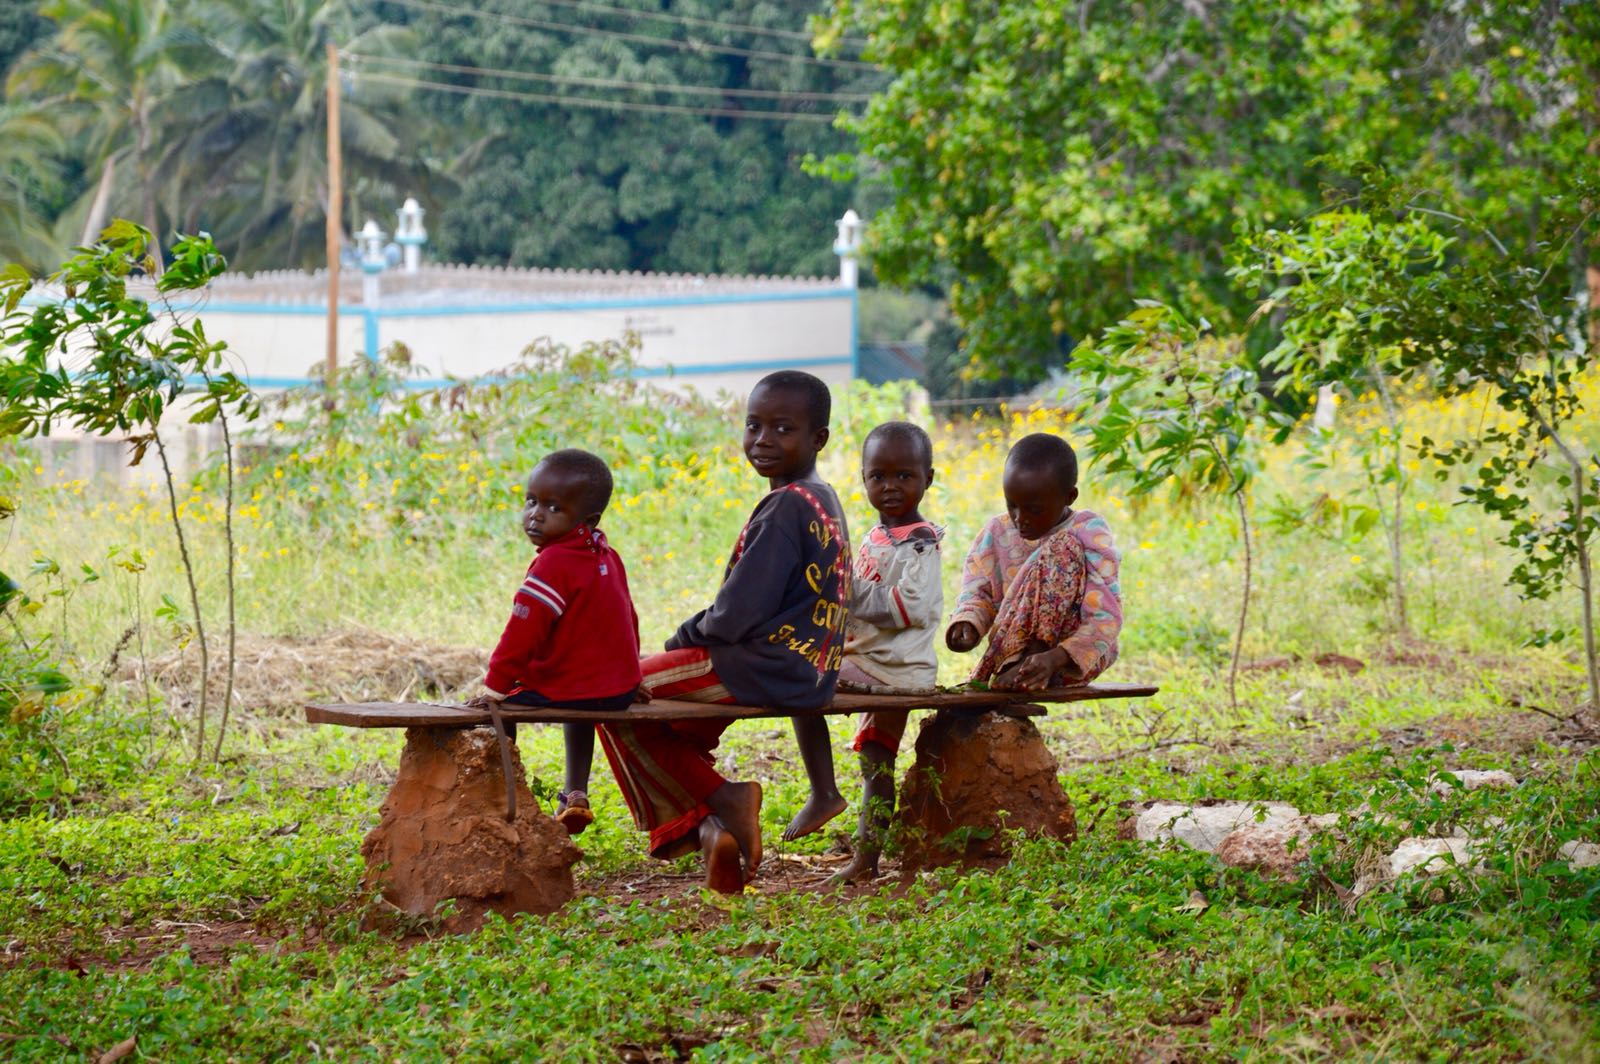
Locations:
{"points": [[714, 345], [708, 344]]}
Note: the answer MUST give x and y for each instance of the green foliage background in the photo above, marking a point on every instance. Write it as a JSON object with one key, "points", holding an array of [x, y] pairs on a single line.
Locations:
{"points": [[1053, 162], [211, 114]]}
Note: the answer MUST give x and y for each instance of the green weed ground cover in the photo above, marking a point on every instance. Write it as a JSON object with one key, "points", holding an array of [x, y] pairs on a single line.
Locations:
{"points": [[213, 912]]}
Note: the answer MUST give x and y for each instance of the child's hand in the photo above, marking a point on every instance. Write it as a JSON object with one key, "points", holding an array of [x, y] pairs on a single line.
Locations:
{"points": [[483, 701], [961, 637], [1034, 673]]}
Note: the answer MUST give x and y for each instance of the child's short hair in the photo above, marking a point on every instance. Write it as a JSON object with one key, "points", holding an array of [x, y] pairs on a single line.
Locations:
{"points": [[819, 401], [1041, 450], [588, 468], [903, 432]]}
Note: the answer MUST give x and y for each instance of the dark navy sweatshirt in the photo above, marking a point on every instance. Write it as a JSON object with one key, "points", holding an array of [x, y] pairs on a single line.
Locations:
{"points": [[776, 629]]}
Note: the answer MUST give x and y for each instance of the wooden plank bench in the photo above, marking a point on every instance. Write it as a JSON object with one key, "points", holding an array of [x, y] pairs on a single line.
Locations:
{"points": [[442, 715]]}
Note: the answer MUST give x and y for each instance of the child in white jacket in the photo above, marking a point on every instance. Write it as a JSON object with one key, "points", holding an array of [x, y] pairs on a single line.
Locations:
{"points": [[896, 604]]}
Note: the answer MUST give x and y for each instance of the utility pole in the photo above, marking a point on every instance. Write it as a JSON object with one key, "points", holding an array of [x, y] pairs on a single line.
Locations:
{"points": [[335, 224]]}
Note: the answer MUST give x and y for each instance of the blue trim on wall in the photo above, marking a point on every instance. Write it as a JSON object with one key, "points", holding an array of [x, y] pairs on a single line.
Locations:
{"points": [[370, 332], [532, 307], [855, 333], [644, 372]]}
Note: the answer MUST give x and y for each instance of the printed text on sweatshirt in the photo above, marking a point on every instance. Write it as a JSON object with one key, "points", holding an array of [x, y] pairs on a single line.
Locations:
{"points": [[775, 631]]}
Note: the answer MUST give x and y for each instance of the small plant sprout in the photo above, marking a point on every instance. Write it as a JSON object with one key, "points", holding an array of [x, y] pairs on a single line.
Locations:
{"points": [[1171, 401], [106, 362]]}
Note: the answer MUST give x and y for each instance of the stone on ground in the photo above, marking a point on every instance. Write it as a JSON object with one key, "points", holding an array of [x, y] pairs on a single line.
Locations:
{"points": [[1581, 854], [1203, 827], [975, 777], [443, 834], [1271, 850], [1428, 856], [1471, 779]]}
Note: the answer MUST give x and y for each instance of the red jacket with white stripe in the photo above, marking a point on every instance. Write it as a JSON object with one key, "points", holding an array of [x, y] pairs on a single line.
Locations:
{"points": [[573, 632]]}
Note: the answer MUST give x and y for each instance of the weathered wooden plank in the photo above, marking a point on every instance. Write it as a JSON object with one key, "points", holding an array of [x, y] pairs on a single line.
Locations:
{"points": [[431, 715]]}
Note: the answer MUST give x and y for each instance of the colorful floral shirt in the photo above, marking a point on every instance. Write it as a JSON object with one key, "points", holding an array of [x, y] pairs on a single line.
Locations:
{"points": [[1000, 553]]}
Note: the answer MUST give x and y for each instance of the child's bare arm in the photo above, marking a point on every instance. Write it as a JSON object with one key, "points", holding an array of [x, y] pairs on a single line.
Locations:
{"points": [[979, 600]]}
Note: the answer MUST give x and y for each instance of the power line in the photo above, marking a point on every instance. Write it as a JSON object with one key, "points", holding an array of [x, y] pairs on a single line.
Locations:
{"points": [[585, 101], [688, 45], [691, 20], [614, 83]]}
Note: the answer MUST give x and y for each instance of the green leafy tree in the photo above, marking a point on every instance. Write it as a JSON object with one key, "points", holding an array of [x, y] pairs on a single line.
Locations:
{"points": [[579, 186], [246, 154], [1341, 267], [1051, 162], [107, 362], [1172, 403], [29, 136], [20, 26], [1490, 314], [108, 69]]}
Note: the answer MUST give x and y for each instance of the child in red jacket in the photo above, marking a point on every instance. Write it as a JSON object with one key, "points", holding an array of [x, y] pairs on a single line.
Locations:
{"points": [[573, 636]]}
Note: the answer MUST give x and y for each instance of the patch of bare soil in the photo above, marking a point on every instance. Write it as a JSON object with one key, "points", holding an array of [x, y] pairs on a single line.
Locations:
{"points": [[780, 874], [137, 948], [283, 673], [1330, 661], [1520, 732]]}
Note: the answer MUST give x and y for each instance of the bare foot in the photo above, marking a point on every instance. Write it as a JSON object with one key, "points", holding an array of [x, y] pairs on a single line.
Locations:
{"points": [[863, 868], [721, 852], [739, 806], [816, 812]]}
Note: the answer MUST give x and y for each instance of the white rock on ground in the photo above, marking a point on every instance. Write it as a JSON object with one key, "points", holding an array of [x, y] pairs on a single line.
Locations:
{"points": [[1269, 850], [1203, 827], [1427, 856], [1581, 854], [1278, 850], [1472, 779]]}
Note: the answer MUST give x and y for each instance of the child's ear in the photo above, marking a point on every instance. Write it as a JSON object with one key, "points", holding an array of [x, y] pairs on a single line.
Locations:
{"points": [[930, 476], [1072, 496], [820, 440], [593, 520]]}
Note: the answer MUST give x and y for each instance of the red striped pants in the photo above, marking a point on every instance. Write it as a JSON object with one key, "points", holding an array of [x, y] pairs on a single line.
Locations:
{"points": [[664, 768]]}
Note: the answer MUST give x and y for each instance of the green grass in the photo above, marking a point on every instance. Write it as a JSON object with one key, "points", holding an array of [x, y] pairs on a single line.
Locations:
{"points": [[115, 849]]}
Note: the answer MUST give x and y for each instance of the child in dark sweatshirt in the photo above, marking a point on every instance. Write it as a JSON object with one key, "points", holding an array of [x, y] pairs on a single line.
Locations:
{"points": [[774, 636]]}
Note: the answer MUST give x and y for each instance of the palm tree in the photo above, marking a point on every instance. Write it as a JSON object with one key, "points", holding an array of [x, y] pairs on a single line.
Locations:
{"points": [[251, 160], [29, 140], [109, 67]]}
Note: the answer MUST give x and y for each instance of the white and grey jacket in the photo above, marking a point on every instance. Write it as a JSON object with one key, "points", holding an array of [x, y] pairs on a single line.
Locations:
{"points": [[896, 604]]}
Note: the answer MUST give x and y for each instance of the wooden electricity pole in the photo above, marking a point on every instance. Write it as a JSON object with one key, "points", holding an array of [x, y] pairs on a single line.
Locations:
{"points": [[335, 223]]}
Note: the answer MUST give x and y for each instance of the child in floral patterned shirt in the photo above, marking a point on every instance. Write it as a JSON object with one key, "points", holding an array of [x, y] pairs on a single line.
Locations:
{"points": [[1041, 580]]}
